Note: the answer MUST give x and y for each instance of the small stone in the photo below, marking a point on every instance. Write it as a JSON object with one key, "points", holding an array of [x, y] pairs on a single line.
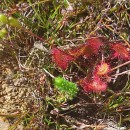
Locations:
{"points": [[4, 124], [4, 85], [8, 89]]}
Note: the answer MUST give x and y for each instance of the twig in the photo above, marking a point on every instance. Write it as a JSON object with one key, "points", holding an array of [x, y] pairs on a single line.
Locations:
{"points": [[128, 62], [32, 34], [10, 115], [125, 72], [48, 73]]}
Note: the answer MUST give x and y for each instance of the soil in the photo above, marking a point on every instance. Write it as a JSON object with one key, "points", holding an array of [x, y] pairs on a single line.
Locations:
{"points": [[19, 93]]}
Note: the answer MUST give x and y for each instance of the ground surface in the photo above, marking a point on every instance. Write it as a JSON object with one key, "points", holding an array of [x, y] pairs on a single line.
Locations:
{"points": [[28, 97]]}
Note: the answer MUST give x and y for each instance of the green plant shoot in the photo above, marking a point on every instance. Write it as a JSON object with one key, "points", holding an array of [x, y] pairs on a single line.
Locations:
{"points": [[66, 87]]}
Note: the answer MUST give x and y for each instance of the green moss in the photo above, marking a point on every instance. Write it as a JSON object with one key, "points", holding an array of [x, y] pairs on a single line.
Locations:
{"points": [[64, 86]]}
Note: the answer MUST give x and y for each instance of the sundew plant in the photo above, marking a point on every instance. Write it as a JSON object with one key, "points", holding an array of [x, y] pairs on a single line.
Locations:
{"points": [[64, 64]]}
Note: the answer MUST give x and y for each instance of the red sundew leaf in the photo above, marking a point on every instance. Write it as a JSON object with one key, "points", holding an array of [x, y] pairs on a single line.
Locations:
{"points": [[102, 69], [120, 51], [78, 51], [61, 58], [88, 49], [89, 52], [94, 45], [95, 84]]}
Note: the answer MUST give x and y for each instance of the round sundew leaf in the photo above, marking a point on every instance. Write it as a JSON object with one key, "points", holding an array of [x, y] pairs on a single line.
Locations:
{"points": [[95, 85], [102, 69], [120, 51], [61, 58]]}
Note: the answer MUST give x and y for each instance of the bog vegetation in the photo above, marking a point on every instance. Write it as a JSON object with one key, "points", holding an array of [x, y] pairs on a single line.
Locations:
{"points": [[73, 56]]}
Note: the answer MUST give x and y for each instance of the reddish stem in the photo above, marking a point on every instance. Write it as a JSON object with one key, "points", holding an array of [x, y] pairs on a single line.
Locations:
{"points": [[32, 34]]}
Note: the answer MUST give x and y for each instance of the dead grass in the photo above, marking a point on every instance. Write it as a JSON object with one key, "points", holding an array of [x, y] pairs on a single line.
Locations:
{"points": [[26, 64]]}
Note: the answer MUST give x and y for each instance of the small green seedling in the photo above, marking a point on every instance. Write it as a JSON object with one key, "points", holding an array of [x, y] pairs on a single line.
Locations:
{"points": [[3, 19], [67, 88], [14, 22], [3, 33]]}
